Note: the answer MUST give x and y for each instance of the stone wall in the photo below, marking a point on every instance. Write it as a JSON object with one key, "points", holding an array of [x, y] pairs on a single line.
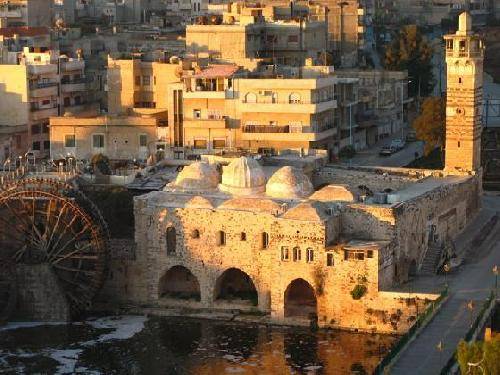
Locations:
{"points": [[40, 297]]}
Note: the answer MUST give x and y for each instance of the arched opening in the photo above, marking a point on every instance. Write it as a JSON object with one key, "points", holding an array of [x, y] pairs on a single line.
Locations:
{"points": [[179, 283], [171, 240], [300, 299], [294, 98], [250, 98], [412, 270], [236, 286]]}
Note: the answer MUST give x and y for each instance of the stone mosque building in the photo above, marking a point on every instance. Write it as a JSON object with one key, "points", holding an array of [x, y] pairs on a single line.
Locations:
{"points": [[328, 246]]}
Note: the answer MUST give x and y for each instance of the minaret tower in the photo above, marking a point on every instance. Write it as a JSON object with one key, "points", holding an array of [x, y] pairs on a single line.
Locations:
{"points": [[464, 62]]}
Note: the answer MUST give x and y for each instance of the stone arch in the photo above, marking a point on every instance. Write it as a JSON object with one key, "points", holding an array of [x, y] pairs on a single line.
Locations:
{"points": [[179, 283], [300, 300], [235, 285], [250, 97], [412, 268]]}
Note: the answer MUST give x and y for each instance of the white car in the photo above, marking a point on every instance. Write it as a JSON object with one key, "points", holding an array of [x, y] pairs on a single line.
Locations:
{"points": [[398, 144]]}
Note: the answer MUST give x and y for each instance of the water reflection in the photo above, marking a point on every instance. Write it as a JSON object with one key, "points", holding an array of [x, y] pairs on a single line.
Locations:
{"points": [[185, 346]]}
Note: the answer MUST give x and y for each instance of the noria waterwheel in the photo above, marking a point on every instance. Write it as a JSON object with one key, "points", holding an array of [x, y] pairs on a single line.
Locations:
{"points": [[48, 221]]}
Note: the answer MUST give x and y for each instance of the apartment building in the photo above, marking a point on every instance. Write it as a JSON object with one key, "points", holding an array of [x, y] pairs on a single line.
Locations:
{"points": [[249, 35], [32, 13], [40, 84], [382, 102]]}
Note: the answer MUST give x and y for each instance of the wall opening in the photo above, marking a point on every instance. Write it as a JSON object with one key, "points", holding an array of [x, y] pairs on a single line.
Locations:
{"points": [[171, 240], [179, 283], [235, 285], [300, 300], [412, 270]]}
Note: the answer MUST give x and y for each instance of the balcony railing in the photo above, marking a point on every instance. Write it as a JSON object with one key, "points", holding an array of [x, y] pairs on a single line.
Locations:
{"points": [[74, 80], [453, 53], [42, 85], [266, 129]]}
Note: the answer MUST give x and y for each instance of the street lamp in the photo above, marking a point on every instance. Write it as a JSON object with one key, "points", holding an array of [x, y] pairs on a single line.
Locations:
{"points": [[446, 269], [495, 272]]}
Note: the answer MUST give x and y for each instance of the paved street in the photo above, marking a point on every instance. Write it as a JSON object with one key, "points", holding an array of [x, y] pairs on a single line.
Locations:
{"points": [[473, 282], [370, 157]]}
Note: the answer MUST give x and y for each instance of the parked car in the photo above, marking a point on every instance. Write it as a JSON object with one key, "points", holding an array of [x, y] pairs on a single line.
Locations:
{"points": [[411, 136], [387, 151], [398, 144]]}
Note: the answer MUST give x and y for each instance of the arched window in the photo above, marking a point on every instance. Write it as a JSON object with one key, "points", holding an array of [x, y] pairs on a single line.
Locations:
{"points": [[274, 97], [265, 240], [250, 98], [294, 98], [221, 238], [309, 255], [171, 240], [243, 236], [195, 233]]}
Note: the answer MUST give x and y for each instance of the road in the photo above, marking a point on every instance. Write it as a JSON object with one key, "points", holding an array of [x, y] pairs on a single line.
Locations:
{"points": [[473, 283], [370, 157]]}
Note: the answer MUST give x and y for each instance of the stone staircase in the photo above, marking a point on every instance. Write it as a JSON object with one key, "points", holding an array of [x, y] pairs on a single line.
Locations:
{"points": [[431, 260]]}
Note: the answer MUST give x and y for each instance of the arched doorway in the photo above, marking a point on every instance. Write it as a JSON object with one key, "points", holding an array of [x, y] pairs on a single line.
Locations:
{"points": [[179, 283], [300, 299], [235, 285]]}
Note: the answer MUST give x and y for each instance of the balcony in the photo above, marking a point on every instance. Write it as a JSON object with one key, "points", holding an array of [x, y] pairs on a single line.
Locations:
{"points": [[282, 133], [198, 123], [286, 107], [453, 53], [39, 90], [42, 69], [38, 113], [207, 94], [13, 13], [67, 66], [74, 85]]}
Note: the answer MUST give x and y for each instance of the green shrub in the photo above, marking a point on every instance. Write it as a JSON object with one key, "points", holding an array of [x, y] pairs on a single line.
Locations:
{"points": [[358, 291]]}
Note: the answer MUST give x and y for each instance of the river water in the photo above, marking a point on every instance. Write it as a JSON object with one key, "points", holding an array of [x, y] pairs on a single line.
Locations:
{"points": [[140, 345]]}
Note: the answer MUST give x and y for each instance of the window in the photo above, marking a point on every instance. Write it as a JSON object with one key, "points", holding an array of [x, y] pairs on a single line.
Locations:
{"points": [[200, 144], [284, 253], [98, 140], [221, 238], [69, 140], [46, 145], [171, 240], [143, 140], [46, 102], [329, 259], [459, 79], [195, 233], [309, 255], [271, 38], [146, 80], [458, 144], [354, 255], [369, 254], [137, 80], [154, 80], [296, 254], [35, 129], [243, 236], [219, 143], [293, 38], [449, 44], [265, 240], [197, 113], [250, 98], [67, 102], [294, 98], [78, 100], [45, 127], [36, 146]]}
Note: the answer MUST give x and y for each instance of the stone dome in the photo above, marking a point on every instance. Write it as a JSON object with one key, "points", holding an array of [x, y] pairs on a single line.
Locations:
{"points": [[243, 176], [330, 193], [197, 176], [251, 204], [289, 183], [307, 211], [199, 202]]}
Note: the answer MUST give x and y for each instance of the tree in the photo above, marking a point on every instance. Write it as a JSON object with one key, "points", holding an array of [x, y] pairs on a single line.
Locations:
{"points": [[430, 124], [410, 51], [100, 163], [484, 353]]}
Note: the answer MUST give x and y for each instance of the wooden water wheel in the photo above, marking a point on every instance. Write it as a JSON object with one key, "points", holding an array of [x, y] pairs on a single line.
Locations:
{"points": [[8, 291], [47, 221]]}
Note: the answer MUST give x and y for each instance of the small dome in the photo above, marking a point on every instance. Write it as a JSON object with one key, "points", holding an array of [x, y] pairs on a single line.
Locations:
{"points": [[289, 183], [244, 176], [307, 211], [199, 202], [197, 176], [251, 204], [330, 193]]}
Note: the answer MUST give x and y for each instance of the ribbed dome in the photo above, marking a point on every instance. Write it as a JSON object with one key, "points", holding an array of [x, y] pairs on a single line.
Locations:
{"points": [[197, 176], [244, 176], [289, 183]]}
